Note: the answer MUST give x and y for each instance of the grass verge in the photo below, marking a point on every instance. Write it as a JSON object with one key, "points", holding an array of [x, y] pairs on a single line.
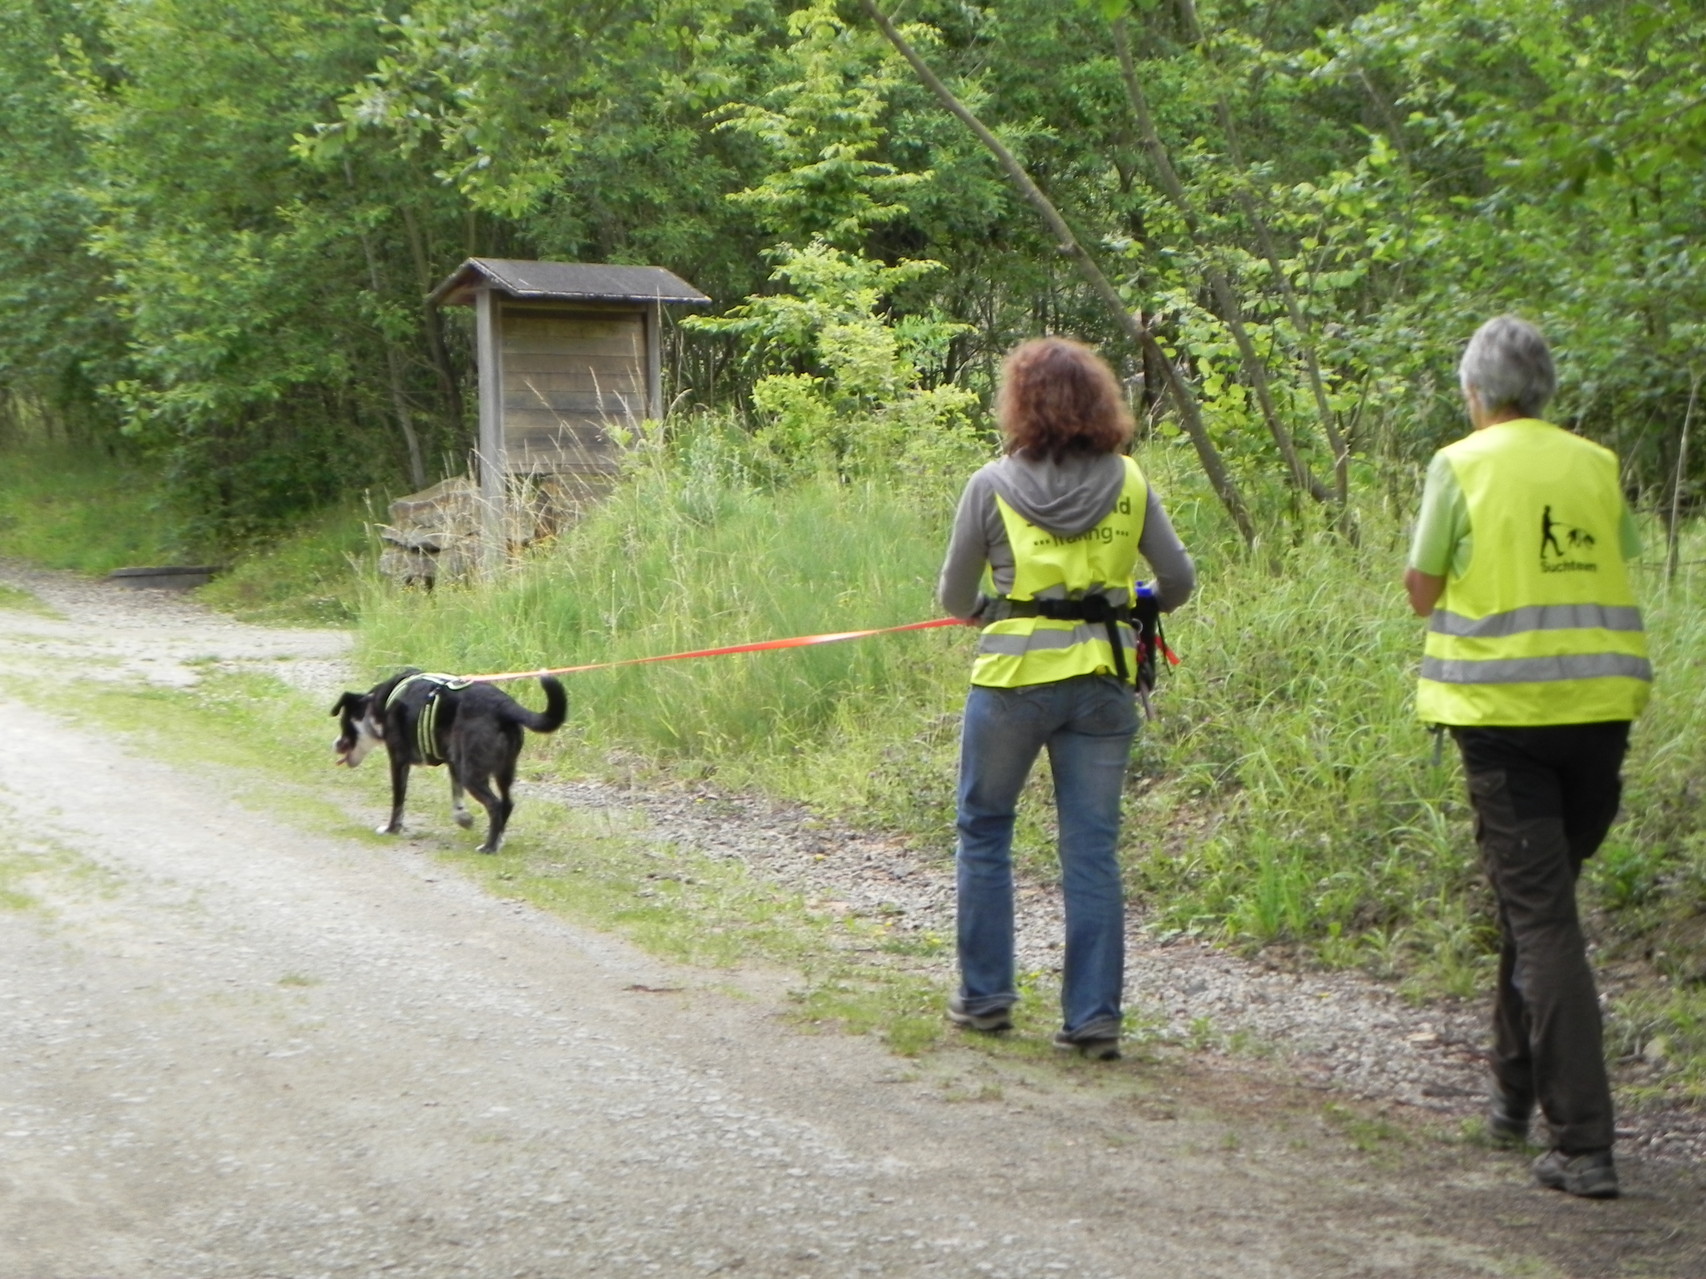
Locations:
{"points": [[310, 576], [16, 601]]}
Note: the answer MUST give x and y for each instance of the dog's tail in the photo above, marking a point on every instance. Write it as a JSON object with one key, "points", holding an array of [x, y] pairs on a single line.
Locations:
{"points": [[556, 709]]}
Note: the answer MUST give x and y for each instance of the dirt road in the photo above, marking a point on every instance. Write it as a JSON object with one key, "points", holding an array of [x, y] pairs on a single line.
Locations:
{"points": [[232, 1048]]}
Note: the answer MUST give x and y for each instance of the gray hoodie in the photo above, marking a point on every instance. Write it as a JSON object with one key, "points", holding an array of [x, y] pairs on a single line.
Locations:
{"points": [[1065, 497]]}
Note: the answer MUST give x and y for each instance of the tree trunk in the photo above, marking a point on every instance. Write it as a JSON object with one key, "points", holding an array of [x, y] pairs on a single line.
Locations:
{"points": [[1294, 308], [449, 387], [394, 380], [1673, 533], [393, 362], [1225, 298]]}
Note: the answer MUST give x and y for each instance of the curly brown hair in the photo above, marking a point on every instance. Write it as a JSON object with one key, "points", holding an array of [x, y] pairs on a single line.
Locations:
{"points": [[1058, 396]]}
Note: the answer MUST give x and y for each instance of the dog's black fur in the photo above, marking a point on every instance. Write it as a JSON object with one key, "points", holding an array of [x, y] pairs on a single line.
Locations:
{"points": [[478, 736]]}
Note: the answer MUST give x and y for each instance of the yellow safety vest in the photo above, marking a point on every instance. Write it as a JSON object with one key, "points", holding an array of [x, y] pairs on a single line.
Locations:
{"points": [[1543, 627], [1015, 651]]}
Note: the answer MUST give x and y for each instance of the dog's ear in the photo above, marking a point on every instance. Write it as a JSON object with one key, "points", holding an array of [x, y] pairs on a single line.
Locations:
{"points": [[351, 700]]}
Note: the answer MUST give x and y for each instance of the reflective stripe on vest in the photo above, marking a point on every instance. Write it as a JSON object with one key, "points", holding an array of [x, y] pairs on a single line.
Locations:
{"points": [[1536, 617], [1542, 628], [1531, 670], [1016, 651]]}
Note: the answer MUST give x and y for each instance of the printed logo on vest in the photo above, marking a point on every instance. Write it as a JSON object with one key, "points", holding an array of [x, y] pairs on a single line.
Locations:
{"points": [[1560, 544], [1103, 533]]}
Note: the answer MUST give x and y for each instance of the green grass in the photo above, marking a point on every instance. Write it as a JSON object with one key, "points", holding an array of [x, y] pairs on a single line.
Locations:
{"points": [[32, 858], [16, 601], [1367, 1133], [666, 568], [90, 513], [242, 724], [84, 510], [1287, 795], [310, 576]]}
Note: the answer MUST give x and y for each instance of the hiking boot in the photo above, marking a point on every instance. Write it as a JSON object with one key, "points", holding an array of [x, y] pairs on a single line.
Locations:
{"points": [[1592, 1176], [1097, 1048], [1507, 1117], [990, 1022]]}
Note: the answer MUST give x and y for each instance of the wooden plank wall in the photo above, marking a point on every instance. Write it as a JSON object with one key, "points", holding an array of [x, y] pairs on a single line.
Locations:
{"points": [[566, 375]]}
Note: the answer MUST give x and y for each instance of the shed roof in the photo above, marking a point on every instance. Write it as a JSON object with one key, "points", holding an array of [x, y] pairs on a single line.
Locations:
{"points": [[585, 281]]}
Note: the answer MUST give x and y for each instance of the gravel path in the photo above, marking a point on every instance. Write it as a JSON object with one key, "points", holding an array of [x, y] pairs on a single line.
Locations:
{"points": [[231, 1049]]}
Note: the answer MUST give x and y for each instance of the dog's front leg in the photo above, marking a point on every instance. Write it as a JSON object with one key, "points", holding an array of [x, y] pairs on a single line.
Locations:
{"points": [[458, 809], [399, 787]]}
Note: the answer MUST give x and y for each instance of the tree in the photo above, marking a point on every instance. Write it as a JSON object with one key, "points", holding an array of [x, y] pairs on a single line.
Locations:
{"points": [[271, 305], [1135, 329], [61, 341]]}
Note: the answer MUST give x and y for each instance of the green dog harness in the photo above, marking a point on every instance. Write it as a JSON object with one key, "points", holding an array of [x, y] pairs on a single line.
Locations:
{"points": [[426, 723]]}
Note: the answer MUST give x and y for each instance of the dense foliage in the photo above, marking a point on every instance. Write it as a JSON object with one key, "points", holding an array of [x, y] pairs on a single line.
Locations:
{"points": [[219, 222]]}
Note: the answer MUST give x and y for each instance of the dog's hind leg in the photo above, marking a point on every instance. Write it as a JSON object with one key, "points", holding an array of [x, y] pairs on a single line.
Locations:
{"points": [[458, 809]]}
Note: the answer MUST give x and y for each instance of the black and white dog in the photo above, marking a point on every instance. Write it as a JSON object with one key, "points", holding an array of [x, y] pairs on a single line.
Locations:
{"points": [[473, 728]]}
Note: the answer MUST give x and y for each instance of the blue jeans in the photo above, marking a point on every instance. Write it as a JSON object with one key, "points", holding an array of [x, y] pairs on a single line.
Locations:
{"points": [[1087, 725]]}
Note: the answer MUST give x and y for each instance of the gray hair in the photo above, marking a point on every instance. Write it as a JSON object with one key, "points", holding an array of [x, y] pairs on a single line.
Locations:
{"points": [[1508, 366]]}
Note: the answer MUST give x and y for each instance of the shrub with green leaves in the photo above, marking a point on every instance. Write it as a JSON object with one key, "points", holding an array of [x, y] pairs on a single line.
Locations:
{"points": [[865, 402]]}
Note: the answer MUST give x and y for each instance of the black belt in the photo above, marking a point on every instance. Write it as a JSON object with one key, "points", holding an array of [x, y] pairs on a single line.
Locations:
{"points": [[1092, 608]]}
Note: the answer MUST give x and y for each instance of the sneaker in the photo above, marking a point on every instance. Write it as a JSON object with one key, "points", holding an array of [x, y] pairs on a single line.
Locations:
{"points": [[1100, 1048], [993, 1020], [1592, 1176], [1507, 1117]]}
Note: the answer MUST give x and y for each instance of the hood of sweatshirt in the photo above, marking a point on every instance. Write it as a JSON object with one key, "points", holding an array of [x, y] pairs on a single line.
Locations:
{"points": [[1065, 497]]}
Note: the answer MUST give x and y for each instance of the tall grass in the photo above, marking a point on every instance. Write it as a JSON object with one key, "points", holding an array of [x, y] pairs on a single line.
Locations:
{"points": [[693, 556], [308, 575], [1650, 877], [1288, 794], [84, 510]]}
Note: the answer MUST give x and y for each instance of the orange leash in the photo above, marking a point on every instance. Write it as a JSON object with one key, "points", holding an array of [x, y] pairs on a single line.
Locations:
{"points": [[763, 646]]}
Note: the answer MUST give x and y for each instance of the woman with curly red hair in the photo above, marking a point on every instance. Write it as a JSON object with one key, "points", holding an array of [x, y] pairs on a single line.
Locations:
{"points": [[1058, 522]]}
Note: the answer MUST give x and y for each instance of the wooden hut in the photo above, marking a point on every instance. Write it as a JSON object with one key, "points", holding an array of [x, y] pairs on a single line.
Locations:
{"points": [[565, 351]]}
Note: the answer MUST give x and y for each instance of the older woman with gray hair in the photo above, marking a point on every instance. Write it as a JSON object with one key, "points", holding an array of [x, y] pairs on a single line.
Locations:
{"points": [[1536, 660]]}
